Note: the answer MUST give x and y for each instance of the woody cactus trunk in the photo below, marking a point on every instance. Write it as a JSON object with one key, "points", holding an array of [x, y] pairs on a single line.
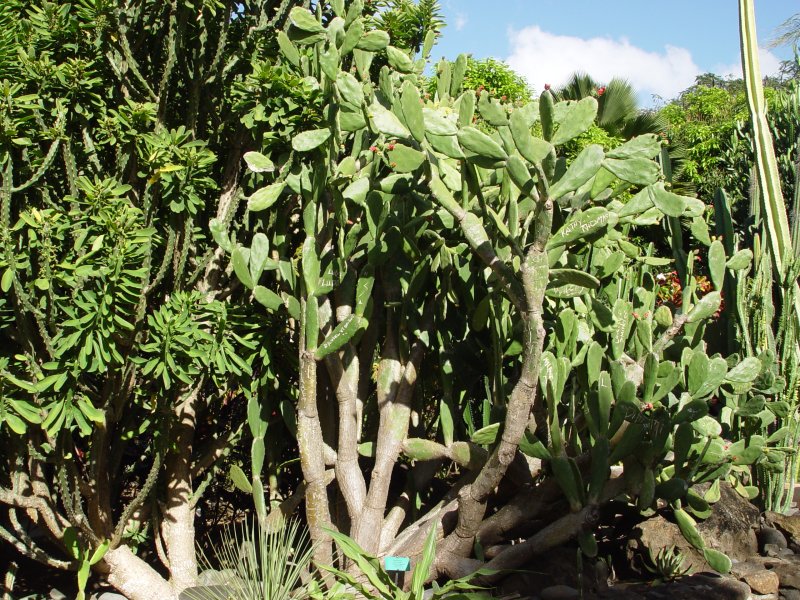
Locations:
{"points": [[468, 309]]}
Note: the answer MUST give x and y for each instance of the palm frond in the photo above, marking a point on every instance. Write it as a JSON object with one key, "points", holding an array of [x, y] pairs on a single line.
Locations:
{"points": [[787, 33]]}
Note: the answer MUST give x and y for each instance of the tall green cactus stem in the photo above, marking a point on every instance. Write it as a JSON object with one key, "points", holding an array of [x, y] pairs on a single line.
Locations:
{"points": [[777, 222]]}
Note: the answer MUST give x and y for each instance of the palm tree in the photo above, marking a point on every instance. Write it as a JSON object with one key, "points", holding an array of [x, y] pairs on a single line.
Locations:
{"points": [[408, 22], [618, 111]]}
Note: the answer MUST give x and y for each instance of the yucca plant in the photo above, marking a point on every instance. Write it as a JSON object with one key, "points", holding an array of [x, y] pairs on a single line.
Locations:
{"points": [[256, 562]]}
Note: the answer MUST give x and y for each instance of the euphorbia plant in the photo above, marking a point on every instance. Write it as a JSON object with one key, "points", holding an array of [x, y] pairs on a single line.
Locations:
{"points": [[430, 272]]}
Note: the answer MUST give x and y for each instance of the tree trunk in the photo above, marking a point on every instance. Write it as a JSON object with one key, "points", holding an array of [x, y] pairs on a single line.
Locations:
{"points": [[134, 578], [178, 519]]}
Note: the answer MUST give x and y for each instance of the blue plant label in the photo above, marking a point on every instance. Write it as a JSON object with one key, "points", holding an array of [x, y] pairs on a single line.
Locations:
{"points": [[397, 563]]}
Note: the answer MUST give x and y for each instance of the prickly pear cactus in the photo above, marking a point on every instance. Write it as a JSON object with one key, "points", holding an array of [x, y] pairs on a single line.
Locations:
{"points": [[404, 225]]}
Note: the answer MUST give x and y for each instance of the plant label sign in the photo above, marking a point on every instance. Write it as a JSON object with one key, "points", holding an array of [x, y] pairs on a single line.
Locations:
{"points": [[395, 566], [397, 563]]}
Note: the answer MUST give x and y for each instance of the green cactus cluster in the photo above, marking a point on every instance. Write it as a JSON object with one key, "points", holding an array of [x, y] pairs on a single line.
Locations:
{"points": [[397, 229]]}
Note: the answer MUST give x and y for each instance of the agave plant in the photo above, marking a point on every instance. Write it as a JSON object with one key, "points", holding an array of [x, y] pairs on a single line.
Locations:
{"points": [[667, 564], [256, 562]]}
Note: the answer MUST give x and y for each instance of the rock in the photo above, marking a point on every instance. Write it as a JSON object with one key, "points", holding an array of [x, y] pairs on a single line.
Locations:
{"points": [[654, 534], [788, 524], [110, 596], [705, 586], [730, 529], [762, 581], [559, 592], [731, 526], [205, 592], [790, 594], [56, 595], [212, 577], [775, 551], [770, 535], [788, 573]]}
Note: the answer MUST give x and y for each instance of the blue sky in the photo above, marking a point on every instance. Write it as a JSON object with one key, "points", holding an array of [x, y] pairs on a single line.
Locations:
{"points": [[658, 46]]}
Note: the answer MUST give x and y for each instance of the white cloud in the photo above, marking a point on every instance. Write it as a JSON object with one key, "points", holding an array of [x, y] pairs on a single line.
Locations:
{"points": [[544, 57], [769, 63], [461, 21]]}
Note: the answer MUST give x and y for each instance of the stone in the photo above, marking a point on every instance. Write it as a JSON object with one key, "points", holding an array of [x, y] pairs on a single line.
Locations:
{"points": [[762, 581], [654, 534], [790, 594], [110, 596], [56, 595], [770, 535], [788, 524], [559, 592], [731, 528], [775, 551], [788, 574], [703, 586], [212, 577], [205, 592]]}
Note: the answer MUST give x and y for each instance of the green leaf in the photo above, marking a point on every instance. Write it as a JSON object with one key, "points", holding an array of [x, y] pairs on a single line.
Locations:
{"points": [[573, 276], [412, 110], [16, 424], [352, 36], [405, 159], [706, 306], [582, 224], [99, 552], [266, 297], [707, 426], [288, 49], [481, 144], [486, 435], [437, 124], [386, 122], [308, 140], [576, 119], [71, 543], [340, 335], [305, 20], [367, 565], [357, 191], [265, 197], [642, 146], [373, 41], [531, 148], [445, 144], [668, 203], [240, 480], [582, 169], [492, 112], [258, 163], [637, 170], [740, 260], [716, 263], [717, 560], [399, 59], [688, 528], [425, 562], [7, 280], [349, 89], [220, 234], [241, 260], [745, 372], [310, 265]]}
